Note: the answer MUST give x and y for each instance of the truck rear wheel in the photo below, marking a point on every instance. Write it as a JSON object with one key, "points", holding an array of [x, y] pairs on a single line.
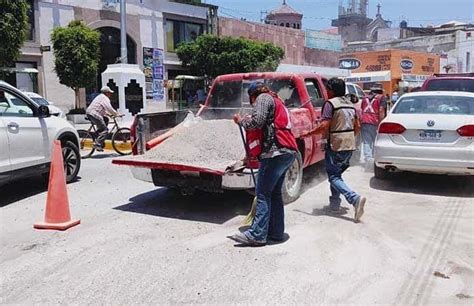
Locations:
{"points": [[293, 181]]}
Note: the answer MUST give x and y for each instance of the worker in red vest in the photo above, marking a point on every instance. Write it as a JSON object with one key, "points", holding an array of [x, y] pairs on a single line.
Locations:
{"points": [[372, 112], [273, 143]]}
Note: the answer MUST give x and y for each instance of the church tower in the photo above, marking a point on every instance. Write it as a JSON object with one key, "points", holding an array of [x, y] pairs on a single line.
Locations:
{"points": [[352, 20], [285, 16]]}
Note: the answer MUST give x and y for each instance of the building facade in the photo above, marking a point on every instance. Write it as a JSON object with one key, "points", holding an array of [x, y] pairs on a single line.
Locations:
{"points": [[151, 24], [453, 42]]}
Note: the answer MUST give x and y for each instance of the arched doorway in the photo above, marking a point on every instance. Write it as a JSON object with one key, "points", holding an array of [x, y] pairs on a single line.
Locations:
{"points": [[110, 54]]}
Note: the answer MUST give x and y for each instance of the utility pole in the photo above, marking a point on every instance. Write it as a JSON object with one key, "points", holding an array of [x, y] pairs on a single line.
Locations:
{"points": [[123, 32]]}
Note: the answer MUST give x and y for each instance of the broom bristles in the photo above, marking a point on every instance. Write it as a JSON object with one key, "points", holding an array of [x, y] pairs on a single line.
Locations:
{"points": [[251, 215]]}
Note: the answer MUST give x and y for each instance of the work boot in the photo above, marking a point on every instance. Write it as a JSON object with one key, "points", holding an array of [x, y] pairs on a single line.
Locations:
{"points": [[359, 208]]}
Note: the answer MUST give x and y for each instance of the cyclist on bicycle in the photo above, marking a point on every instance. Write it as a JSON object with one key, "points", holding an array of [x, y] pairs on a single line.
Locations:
{"points": [[97, 113]]}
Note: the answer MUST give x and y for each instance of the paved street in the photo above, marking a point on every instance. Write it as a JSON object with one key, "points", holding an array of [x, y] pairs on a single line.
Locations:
{"points": [[140, 244]]}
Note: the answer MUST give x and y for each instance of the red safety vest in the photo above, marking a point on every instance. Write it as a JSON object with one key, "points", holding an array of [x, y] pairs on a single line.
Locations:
{"points": [[284, 138], [370, 110]]}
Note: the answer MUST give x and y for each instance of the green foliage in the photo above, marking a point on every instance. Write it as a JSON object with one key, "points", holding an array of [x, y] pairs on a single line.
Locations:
{"points": [[77, 53], [212, 56], [13, 29]]}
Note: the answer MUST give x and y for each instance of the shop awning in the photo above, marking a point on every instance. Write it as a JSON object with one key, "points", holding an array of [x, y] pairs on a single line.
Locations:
{"points": [[366, 77], [20, 70]]}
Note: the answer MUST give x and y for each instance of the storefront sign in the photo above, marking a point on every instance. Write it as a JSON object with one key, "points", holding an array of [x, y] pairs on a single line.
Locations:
{"points": [[349, 63], [414, 77], [406, 64]]}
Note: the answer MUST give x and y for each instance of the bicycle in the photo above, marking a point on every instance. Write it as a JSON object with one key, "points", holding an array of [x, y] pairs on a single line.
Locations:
{"points": [[120, 139]]}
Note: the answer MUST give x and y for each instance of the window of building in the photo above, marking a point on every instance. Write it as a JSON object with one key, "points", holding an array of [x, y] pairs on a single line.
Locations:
{"points": [[298, 26], [468, 61], [287, 24], [178, 32], [282, 24], [31, 20]]}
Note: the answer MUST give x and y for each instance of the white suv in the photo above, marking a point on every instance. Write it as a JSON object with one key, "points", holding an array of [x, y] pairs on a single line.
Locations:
{"points": [[27, 132]]}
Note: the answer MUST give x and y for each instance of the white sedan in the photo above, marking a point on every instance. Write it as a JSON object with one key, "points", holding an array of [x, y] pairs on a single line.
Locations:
{"points": [[427, 132]]}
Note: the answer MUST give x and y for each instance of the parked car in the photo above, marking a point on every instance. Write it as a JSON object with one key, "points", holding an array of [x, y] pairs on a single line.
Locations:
{"points": [[54, 110], [449, 82], [27, 132], [427, 132]]}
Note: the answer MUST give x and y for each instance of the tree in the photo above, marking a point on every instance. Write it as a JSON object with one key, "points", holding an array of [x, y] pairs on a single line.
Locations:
{"points": [[13, 30], [211, 56], [76, 52]]}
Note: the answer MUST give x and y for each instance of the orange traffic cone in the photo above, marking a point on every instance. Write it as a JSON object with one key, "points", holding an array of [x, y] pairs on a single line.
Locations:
{"points": [[57, 214]]}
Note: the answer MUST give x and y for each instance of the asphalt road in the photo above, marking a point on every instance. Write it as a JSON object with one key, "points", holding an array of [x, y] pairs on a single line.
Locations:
{"points": [[141, 244]]}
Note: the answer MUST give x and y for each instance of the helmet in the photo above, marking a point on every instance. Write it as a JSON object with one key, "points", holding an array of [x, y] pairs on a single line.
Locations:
{"points": [[254, 88]]}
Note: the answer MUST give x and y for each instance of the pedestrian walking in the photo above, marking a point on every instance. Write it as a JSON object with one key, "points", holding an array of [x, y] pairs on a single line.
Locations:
{"points": [[394, 97], [97, 113], [275, 146], [373, 110], [339, 124]]}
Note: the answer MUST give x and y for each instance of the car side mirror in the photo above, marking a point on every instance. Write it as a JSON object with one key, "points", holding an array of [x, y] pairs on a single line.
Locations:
{"points": [[43, 111], [4, 104]]}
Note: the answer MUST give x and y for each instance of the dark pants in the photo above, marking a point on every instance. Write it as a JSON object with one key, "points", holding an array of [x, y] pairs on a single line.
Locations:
{"points": [[336, 164], [102, 130], [269, 217]]}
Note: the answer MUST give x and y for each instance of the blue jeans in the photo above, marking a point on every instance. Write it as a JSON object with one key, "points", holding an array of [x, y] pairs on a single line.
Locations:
{"points": [[269, 217], [369, 132], [336, 164]]}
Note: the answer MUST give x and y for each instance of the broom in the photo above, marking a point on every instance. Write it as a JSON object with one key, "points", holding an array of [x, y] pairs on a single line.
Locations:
{"points": [[251, 215]]}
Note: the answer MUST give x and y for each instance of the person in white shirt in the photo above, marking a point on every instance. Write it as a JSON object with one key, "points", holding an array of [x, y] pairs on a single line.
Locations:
{"points": [[97, 113]]}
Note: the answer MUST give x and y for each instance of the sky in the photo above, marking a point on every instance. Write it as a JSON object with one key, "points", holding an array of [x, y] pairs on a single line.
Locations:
{"points": [[317, 14]]}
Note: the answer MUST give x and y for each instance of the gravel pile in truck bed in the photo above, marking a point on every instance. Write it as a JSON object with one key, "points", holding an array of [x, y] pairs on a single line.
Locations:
{"points": [[212, 144]]}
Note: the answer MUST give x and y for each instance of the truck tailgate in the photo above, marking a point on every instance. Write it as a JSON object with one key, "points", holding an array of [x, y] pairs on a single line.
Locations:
{"points": [[150, 164]]}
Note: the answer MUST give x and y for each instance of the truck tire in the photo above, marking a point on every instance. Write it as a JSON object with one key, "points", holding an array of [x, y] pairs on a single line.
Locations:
{"points": [[293, 181]]}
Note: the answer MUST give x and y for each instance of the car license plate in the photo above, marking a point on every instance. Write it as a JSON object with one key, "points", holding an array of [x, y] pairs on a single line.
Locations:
{"points": [[430, 135]]}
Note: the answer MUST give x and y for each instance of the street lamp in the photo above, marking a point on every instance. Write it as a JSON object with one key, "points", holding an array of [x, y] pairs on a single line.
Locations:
{"points": [[123, 32]]}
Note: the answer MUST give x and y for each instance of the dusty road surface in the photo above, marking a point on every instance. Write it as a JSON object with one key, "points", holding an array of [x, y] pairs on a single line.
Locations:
{"points": [[140, 244]]}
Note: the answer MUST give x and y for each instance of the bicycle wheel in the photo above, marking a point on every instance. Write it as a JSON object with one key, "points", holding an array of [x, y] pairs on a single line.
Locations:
{"points": [[121, 141], [86, 143]]}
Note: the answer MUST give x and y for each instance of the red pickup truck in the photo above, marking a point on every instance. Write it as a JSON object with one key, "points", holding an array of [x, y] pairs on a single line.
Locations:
{"points": [[304, 95]]}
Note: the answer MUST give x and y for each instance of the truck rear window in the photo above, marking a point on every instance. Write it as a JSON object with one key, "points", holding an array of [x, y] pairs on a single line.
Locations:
{"points": [[233, 94], [450, 85]]}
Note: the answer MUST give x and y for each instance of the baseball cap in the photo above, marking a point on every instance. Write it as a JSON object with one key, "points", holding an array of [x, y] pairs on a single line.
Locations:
{"points": [[254, 86], [105, 89]]}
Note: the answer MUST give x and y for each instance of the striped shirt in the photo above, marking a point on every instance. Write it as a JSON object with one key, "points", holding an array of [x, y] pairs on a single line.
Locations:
{"points": [[101, 107]]}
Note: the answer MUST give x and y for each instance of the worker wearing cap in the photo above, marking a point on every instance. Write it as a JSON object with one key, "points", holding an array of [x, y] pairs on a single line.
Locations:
{"points": [[97, 113], [277, 155]]}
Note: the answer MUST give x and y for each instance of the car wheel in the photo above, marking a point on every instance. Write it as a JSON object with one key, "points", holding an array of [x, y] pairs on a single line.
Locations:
{"points": [[293, 181], [72, 160], [381, 173]]}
